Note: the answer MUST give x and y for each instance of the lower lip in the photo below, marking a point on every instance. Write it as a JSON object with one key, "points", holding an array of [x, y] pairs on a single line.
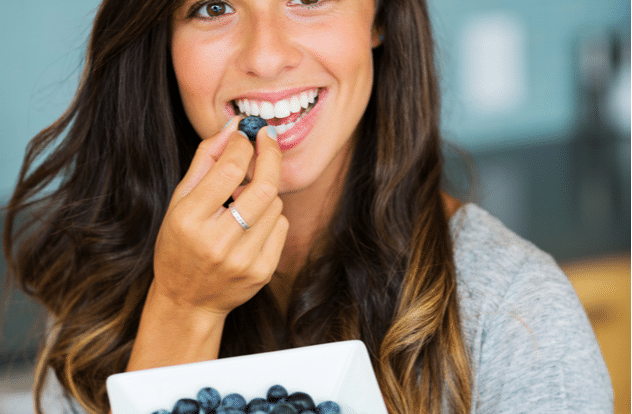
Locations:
{"points": [[297, 134]]}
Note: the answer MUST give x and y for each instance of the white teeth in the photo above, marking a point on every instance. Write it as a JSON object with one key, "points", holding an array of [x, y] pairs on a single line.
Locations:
{"points": [[254, 109], [280, 129], [304, 100], [267, 110], [295, 105], [280, 109]]}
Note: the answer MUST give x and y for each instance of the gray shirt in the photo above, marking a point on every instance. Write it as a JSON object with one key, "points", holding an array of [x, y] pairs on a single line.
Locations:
{"points": [[532, 347]]}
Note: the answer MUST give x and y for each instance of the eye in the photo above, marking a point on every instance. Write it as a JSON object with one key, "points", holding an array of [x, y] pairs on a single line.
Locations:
{"points": [[211, 10], [305, 2]]}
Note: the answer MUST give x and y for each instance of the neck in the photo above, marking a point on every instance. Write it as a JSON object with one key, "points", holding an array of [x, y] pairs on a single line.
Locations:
{"points": [[308, 212]]}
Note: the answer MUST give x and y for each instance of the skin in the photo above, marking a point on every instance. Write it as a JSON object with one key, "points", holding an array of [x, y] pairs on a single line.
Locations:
{"points": [[268, 46], [205, 264]]}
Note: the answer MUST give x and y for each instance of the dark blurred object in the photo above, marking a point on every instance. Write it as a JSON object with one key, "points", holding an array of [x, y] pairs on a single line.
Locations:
{"points": [[602, 199], [569, 195]]}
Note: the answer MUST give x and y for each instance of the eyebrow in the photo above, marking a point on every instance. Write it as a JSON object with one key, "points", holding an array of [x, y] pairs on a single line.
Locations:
{"points": [[179, 5]]}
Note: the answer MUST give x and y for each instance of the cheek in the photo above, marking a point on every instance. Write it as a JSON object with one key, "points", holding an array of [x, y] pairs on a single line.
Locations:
{"points": [[347, 54], [344, 49], [199, 68]]}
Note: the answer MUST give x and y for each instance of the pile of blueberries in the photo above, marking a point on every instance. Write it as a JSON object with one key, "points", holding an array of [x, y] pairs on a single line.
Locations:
{"points": [[277, 401]]}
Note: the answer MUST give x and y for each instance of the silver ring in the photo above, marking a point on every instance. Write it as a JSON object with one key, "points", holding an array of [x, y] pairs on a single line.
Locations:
{"points": [[238, 217]]}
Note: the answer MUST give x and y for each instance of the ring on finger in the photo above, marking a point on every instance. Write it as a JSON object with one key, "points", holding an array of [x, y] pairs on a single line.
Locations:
{"points": [[238, 217]]}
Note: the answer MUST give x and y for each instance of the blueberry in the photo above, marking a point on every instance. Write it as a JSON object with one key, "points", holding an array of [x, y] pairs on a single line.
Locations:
{"points": [[251, 125], [328, 407], [283, 408], [209, 399], [228, 410], [277, 401], [186, 406], [234, 401], [258, 405], [301, 401], [276, 393]]}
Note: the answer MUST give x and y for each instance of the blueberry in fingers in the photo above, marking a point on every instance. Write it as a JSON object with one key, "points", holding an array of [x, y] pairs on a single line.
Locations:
{"points": [[251, 125]]}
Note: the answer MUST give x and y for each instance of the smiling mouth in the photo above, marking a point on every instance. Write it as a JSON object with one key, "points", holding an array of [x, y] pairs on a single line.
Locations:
{"points": [[283, 114]]}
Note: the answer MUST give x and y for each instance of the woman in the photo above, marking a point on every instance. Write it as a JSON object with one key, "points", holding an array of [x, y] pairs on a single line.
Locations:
{"points": [[338, 230]]}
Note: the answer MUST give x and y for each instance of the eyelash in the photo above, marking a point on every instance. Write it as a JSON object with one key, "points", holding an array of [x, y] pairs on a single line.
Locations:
{"points": [[312, 6], [195, 8]]}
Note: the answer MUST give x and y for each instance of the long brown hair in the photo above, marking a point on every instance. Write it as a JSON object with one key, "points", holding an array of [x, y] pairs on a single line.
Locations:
{"points": [[385, 274]]}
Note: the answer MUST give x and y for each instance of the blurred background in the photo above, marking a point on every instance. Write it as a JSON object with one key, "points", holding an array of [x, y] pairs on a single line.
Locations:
{"points": [[536, 119]]}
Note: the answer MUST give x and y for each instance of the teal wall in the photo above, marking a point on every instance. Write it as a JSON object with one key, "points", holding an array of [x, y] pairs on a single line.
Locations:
{"points": [[545, 33], [41, 48], [41, 45], [543, 188]]}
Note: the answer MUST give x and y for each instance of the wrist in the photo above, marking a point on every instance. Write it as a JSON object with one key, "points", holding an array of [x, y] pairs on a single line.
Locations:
{"points": [[172, 333], [169, 308]]}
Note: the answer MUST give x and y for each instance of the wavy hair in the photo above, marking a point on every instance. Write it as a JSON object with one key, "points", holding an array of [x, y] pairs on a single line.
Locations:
{"points": [[385, 273]]}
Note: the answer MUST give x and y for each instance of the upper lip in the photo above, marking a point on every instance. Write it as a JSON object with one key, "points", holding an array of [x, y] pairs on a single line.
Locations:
{"points": [[273, 96]]}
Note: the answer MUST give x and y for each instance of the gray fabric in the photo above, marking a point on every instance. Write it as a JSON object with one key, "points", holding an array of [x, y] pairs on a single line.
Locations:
{"points": [[531, 344], [532, 347]]}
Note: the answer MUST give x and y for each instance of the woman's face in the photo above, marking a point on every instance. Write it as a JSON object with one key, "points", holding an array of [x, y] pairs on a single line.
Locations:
{"points": [[305, 63]]}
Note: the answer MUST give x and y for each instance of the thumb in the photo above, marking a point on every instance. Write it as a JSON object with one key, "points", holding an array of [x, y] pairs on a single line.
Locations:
{"points": [[204, 158]]}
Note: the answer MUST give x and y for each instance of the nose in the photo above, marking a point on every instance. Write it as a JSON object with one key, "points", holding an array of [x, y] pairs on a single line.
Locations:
{"points": [[268, 48]]}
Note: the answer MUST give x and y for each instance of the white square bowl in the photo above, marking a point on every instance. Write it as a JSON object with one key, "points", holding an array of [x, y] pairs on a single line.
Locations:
{"points": [[339, 371]]}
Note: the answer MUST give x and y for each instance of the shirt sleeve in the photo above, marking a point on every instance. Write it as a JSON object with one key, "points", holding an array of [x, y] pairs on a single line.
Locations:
{"points": [[538, 352]]}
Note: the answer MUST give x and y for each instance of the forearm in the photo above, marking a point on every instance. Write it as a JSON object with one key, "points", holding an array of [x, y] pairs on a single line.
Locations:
{"points": [[171, 334]]}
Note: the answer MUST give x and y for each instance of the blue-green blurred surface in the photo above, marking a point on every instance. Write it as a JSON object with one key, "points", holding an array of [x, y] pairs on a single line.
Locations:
{"points": [[549, 136], [545, 34], [41, 49]]}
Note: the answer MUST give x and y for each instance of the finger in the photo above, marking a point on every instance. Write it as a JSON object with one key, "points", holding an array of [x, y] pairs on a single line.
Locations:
{"points": [[236, 250], [270, 132], [247, 245], [268, 258], [262, 141], [224, 177], [204, 158], [263, 189], [252, 241], [229, 201]]}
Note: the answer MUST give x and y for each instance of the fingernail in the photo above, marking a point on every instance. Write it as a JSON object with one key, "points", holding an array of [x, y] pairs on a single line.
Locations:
{"points": [[271, 131], [227, 123], [243, 133]]}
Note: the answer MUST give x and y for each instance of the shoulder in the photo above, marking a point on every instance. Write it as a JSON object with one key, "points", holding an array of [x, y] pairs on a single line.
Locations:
{"points": [[532, 346], [491, 260]]}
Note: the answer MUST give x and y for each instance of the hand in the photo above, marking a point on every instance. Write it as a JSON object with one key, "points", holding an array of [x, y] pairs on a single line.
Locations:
{"points": [[203, 257]]}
